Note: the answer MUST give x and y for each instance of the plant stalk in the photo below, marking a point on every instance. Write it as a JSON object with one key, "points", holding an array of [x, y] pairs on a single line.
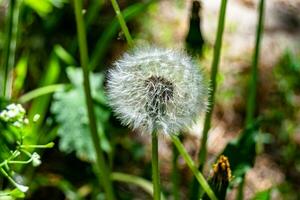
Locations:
{"points": [[251, 100], [213, 82], [193, 167], [122, 22], [211, 97], [175, 173], [155, 167], [104, 172], [251, 106], [10, 46]]}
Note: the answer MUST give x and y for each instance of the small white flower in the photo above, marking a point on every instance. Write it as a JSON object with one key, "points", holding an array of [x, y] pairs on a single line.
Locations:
{"points": [[12, 113], [36, 117], [154, 89], [11, 106], [21, 109], [15, 114], [3, 115], [22, 188], [36, 159], [26, 121], [17, 124]]}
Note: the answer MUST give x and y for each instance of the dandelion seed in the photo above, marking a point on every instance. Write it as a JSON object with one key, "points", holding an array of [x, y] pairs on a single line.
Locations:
{"points": [[154, 89]]}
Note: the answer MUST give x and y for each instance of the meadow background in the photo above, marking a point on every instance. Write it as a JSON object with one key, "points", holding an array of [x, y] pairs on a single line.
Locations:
{"points": [[47, 56]]}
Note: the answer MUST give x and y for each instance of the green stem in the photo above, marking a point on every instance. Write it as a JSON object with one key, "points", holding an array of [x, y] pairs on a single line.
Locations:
{"points": [[122, 22], [155, 167], [175, 174], [10, 45], [49, 145], [104, 172], [22, 188], [193, 168], [127, 178], [213, 77], [240, 189], [251, 100], [254, 68], [40, 92], [211, 97]]}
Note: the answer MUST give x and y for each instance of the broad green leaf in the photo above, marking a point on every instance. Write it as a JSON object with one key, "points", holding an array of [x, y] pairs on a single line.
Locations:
{"points": [[40, 104], [70, 112], [241, 152]]}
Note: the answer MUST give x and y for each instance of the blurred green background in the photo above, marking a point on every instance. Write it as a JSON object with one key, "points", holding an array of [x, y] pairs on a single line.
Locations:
{"points": [[47, 55]]}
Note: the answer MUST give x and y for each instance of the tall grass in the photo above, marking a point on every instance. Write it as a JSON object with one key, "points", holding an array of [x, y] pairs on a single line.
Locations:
{"points": [[122, 22], [252, 85], [211, 97], [10, 46], [104, 172]]}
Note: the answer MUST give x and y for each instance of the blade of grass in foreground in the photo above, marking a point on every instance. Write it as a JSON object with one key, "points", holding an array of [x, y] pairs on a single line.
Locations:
{"points": [[10, 46], [193, 167], [104, 172]]}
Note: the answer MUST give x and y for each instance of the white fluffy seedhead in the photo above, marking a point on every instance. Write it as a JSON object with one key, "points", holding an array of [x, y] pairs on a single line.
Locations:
{"points": [[154, 89]]}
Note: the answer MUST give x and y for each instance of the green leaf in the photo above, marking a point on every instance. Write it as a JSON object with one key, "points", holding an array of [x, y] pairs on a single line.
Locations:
{"points": [[241, 152], [263, 195], [70, 112], [21, 72], [44, 7], [64, 55], [16, 193], [111, 31]]}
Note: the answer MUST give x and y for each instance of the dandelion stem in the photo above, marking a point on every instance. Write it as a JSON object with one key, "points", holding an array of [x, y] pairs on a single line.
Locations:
{"points": [[104, 172], [251, 106], [175, 174], [10, 45], [254, 69], [214, 71], [193, 167], [155, 168], [211, 98], [122, 22]]}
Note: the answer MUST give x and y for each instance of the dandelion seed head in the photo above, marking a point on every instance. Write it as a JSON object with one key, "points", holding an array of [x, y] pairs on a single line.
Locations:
{"points": [[155, 89]]}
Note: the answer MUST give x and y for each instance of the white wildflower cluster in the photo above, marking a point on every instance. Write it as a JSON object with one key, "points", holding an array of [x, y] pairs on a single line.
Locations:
{"points": [[15, 114], [154, 89], [36, 159]]}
